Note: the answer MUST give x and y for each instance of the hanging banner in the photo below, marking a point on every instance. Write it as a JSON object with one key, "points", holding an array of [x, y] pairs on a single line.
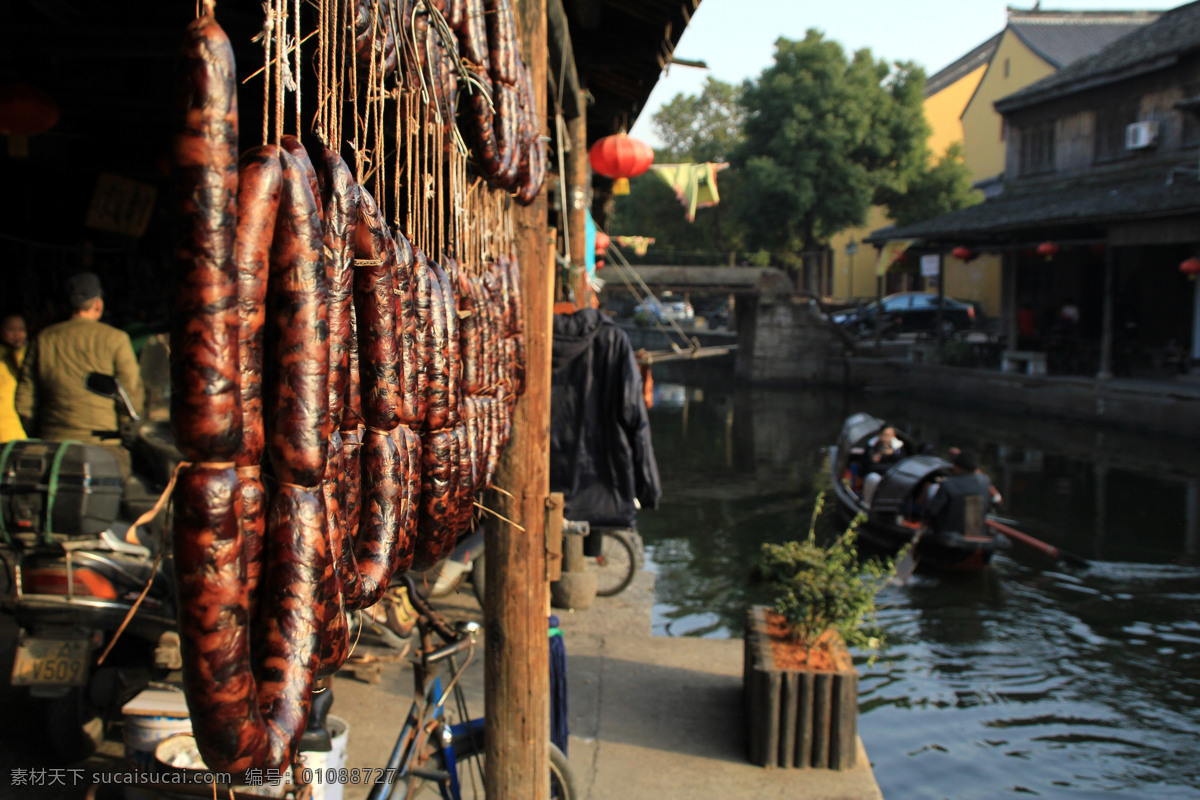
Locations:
{"points": [[889, 252]]}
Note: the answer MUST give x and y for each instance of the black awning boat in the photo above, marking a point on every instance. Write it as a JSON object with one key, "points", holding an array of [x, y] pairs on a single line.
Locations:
{"points": [[893, 505]]}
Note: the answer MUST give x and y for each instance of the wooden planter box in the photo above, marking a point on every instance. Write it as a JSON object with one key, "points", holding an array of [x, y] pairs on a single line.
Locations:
{"points": [[797, 718]]}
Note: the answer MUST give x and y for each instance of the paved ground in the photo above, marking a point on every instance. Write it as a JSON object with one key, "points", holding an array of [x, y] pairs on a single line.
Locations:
{"points": [[650, 717]]}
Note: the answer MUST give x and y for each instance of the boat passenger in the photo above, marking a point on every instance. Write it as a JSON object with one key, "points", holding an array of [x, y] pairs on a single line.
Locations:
{"points": [[885, 448], [961, 501]]}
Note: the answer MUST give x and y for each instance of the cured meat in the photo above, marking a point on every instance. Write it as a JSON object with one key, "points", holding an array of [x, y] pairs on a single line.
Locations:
{"points": [[206, 414], [506, 124], [406, 332], [435, 535], [352, 409], [375, 312], [288, 648], [214, 630], [379, 523], [437, 415], [339, 198], [335, 635], [409, 445], [466, 480], [297, 370], [421, 302], [502, 41], [516, 309], [468, 334], [453, 361], [351, 486], [296, 149], [253, 498], [259, 182]]}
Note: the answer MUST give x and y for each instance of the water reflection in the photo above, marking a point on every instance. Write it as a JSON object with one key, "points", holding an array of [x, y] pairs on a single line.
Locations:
{"points": [[1030, 679]]}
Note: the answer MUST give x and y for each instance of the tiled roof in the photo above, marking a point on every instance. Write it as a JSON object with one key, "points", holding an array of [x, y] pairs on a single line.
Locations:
{"points": [[1174, 33], [1064, 37], [1057, 203], [964, 66]]}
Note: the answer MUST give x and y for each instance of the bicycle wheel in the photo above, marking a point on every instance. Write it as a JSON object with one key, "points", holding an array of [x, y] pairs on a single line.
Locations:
{"points": [[468, 764], [616, 563], [562, 779]]}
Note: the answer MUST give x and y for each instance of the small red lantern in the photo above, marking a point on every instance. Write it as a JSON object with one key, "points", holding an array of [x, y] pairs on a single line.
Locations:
{"points": [[1047, 250], [963, 253], [1190, 267], [26, 110], [602, 242], [622, 157]]}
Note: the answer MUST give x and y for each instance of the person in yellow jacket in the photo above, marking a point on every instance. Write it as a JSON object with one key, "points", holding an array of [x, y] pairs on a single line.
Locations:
{"points": [[12, 353], [52, 400]]}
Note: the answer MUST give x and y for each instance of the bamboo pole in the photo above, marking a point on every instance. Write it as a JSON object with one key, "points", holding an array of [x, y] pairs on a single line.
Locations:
{"points": [[517, 650]]}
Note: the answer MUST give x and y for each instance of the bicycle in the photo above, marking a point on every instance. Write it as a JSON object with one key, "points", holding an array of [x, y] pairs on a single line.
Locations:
{"points": [[432, 751], [615, 559]]}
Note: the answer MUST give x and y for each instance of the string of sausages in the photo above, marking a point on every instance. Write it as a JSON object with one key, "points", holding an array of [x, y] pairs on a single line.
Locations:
{"points": [[473, 43], [340, 398]]}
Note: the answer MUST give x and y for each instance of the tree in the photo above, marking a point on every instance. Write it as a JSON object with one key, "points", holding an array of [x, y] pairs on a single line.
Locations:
{"points": [[944, 187], [703, 127], [693, 129], [825, 138]]}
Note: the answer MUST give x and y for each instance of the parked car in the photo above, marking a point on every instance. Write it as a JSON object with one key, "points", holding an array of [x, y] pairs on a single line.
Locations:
{"points": [[909, 312], [661, 309]]}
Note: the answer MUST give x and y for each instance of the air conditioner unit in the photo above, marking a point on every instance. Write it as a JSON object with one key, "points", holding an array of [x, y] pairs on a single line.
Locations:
{"points": [[1140, 135]]}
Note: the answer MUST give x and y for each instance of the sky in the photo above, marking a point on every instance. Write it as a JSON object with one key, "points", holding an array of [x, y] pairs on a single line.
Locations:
{"points": [[736, 37]]}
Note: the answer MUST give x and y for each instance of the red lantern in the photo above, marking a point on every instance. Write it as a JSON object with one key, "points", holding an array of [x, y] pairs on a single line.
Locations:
{"points": [[621, 157], [602, 242], [26, 110], [1190, 267], [963, 253], [1047, 250]]}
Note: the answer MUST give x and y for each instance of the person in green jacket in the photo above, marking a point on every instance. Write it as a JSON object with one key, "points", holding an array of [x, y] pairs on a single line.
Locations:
{"points": [[51, 399]]}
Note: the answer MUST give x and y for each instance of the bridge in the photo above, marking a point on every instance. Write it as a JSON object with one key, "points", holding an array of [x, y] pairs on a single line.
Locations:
{"points": [[768, 281], [783, 337]]}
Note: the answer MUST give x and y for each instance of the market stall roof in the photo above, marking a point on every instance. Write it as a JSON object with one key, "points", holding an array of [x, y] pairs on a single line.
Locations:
{"points": [[621, 49], [1060, 204]]}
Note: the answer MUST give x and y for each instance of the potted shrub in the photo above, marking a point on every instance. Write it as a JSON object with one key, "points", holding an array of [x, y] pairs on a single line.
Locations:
{"points": [[801, 687]]}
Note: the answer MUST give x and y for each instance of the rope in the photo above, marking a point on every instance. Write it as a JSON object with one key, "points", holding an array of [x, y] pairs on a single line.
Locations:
{"points": [[481, 506], [296, 76]]}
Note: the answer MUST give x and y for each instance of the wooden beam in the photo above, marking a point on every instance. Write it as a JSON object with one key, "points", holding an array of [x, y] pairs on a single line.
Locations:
{"points": [[517, 649]]}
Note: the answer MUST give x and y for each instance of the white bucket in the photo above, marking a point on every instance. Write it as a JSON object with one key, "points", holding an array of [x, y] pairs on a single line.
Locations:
{"points": [[150, 717], [323, 766], [328, 783]]}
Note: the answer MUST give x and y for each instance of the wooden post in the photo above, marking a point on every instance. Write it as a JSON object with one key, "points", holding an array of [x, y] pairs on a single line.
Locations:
{"points": [[517, 649], [577, 197]]}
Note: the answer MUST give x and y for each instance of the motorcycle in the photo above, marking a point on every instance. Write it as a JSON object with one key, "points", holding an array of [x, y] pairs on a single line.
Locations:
{"points": [[77, 568]]}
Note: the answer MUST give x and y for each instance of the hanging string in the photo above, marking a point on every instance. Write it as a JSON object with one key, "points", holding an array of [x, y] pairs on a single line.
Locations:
{"points": [[279, 84], [296, 74]]}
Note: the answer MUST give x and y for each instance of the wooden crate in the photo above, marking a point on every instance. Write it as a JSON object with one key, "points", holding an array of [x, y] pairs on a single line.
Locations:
{"points": [[797, 718]]}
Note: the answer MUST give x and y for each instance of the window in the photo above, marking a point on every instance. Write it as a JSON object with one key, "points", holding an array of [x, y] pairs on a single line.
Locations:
{"points": [[896, 303], [1037, 149], [1111, 121], [925, 301]]}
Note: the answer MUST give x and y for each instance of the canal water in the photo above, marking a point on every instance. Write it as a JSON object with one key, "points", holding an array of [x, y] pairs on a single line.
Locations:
{"points": [[1032, 679]]}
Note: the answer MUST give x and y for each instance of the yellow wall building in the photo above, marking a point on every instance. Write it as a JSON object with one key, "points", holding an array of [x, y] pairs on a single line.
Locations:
{"points": [[959, 108]]}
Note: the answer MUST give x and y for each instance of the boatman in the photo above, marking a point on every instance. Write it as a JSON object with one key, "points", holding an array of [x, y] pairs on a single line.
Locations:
{"points": [[961, 500]]}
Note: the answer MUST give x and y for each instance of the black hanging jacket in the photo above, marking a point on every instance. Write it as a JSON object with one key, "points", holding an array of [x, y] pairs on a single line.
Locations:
{"points": [[601, 457]]}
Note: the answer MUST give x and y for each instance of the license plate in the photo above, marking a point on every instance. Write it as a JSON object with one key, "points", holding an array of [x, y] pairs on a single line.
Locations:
{"points": [[51, 662]]}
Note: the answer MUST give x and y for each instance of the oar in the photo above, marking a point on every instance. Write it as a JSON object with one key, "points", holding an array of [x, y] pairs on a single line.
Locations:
{"points": [[907, 566], [1038, 544]]}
